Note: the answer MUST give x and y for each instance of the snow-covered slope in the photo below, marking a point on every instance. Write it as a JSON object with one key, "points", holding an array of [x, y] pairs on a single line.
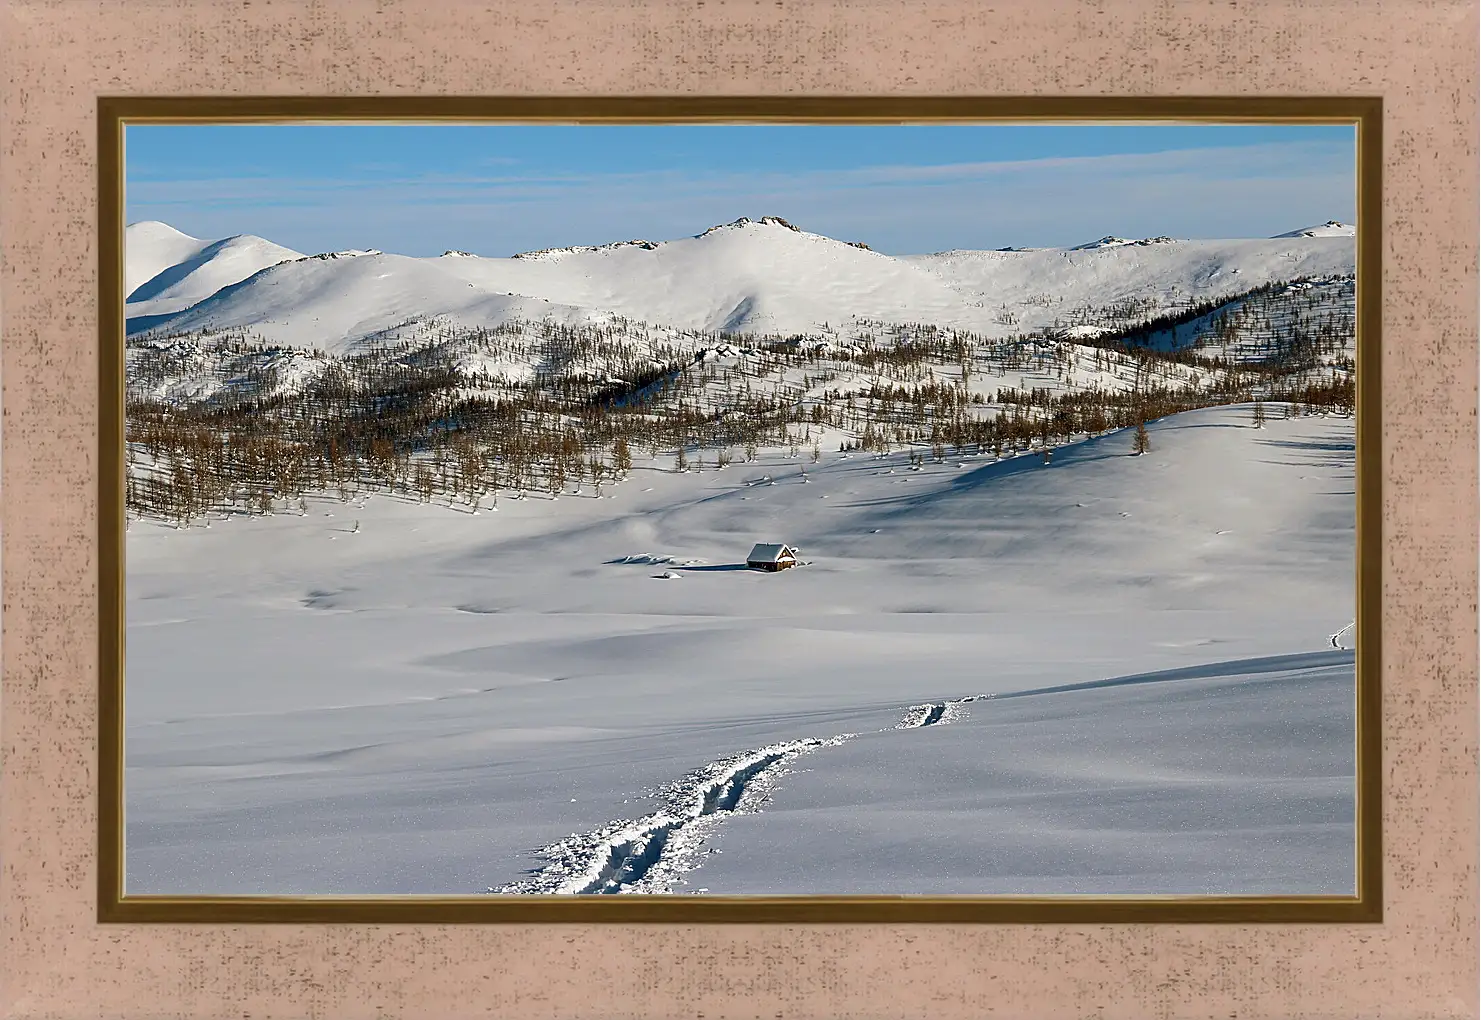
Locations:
{"points": [[753, 276], [150, 247], [196, 277], [1111, 241], [1332, 228], [1051, 285], [1079, 672], [333, 303], [395, 697], [749, 276]]}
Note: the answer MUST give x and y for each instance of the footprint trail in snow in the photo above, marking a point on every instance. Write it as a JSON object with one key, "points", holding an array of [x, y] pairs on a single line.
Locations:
{"points": [[934, 713], [652, 854]]}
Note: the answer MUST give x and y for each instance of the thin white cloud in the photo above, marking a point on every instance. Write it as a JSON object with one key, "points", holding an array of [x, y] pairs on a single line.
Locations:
{"points": [[434, 185], [1247, 157]]}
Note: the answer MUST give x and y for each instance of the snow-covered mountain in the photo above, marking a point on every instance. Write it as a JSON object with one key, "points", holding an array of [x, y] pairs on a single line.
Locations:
{"points": [[1049, 286], [151, 247], [167, 271], [750, 276], [1332, 228]]}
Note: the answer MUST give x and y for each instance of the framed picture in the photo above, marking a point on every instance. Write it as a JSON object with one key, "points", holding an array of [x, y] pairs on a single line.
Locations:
{"points": [[314, 714], [1003, 546]]}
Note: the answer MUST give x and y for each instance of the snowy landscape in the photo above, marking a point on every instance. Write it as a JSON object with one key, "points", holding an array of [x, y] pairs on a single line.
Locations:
{"points": [[437, 583]]}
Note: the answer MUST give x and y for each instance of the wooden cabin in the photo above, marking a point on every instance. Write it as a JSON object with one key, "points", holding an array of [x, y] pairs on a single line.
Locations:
{"points": [[771, 556]]}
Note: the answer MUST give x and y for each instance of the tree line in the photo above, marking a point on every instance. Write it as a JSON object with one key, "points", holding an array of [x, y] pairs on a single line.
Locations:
{"points": [[432, 411]]}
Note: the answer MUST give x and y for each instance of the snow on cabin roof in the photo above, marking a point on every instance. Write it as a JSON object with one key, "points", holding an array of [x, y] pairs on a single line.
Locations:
{"points": [[768, 552]]}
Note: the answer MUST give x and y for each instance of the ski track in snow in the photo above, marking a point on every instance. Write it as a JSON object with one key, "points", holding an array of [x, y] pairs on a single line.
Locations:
{"points": [[934, 714], [651, 854]]}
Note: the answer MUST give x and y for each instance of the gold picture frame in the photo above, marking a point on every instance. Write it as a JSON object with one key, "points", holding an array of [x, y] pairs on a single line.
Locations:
{"points": [[1366, 906]]}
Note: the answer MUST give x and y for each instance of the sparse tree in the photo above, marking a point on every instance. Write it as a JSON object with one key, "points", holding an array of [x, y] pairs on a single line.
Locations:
{"points": [[622, 459], [420, 425], [426, 482], [1141, 441]]}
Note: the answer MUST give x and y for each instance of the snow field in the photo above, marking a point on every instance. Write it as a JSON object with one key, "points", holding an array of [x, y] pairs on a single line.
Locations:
{"points": [[439, 701]]}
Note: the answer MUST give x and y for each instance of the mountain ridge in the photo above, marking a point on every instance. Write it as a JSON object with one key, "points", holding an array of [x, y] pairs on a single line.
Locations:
{"points": [[765, 276]]}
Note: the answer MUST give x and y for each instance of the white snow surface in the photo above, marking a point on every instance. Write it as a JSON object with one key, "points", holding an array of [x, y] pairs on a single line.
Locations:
{"points": [[150, 247], [751, 276], [1332, 228], [167, 271], [1039, 285], [1112, 674]]}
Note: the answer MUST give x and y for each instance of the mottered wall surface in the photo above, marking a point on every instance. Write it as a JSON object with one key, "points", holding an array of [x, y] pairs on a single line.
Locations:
{"points": [[59, 56]]}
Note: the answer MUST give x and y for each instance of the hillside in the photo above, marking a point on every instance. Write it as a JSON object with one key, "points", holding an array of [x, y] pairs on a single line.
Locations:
{"points": [[751, 276], [150, 247], [204, 273], [458, 690], [552, 393], [436, 576]]}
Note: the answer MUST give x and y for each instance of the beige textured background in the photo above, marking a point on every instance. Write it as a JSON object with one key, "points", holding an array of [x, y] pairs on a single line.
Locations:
{"points": [[1420, 56]]}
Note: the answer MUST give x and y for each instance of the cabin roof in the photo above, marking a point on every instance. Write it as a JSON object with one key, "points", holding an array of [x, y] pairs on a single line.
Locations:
{"points": [[770, 552]]}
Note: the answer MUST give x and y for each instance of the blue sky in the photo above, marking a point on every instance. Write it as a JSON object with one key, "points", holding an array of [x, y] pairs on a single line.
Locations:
{"points": [[496, 190]]}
